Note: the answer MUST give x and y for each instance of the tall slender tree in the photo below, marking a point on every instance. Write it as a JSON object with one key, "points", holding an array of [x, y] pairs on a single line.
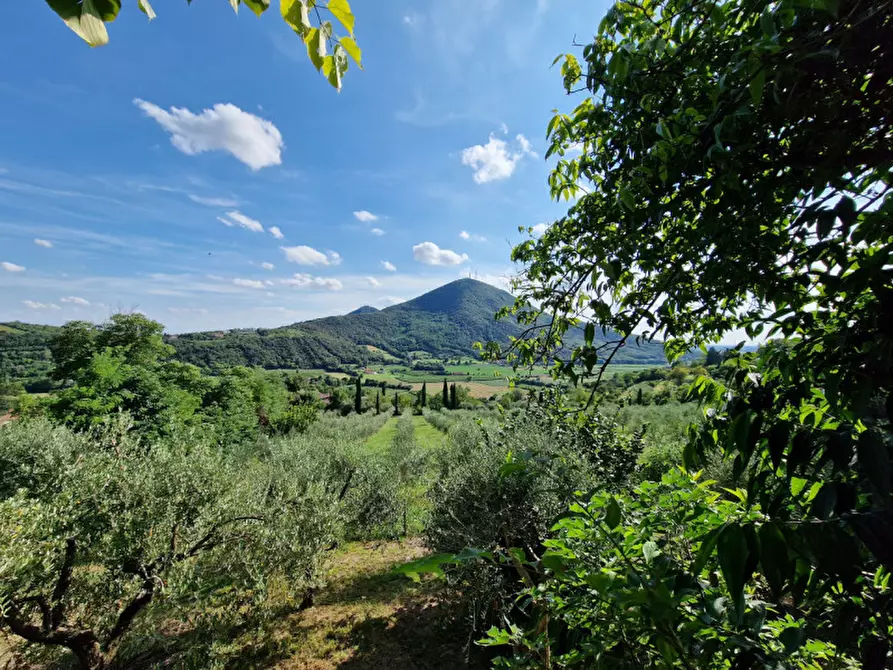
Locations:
{"points": [[378, 402], [396, 403], [423, 399], [446, 394], [453, 403], [358, 396]]}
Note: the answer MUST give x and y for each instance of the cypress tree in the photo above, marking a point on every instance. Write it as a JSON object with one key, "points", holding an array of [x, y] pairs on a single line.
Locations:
{"points": [[446, 395], [358, 397], [378, 402], [424, 398], [639, 396], [453, 403], [396, 404]]}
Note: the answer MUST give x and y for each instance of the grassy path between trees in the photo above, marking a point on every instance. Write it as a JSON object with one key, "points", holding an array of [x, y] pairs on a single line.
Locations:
{"points": [[426, 435], [381, 441], [369, 617]]}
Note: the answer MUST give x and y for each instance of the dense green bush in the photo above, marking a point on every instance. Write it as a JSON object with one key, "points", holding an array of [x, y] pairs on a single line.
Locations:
{"points": [[634, 584], [501, 488]]}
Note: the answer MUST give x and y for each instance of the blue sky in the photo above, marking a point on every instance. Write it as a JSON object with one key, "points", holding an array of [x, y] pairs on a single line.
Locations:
{"points": [[198, 169]]}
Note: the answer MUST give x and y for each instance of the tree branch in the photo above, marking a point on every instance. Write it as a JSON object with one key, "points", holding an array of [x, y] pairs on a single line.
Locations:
{"points": [[63, 584]]}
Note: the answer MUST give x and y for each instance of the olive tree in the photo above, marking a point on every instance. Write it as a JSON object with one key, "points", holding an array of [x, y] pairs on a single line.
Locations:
{"points": [[92, 533]]}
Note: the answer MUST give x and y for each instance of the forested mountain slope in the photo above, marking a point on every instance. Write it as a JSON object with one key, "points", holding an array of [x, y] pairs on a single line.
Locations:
{"points": [[444, 322]]}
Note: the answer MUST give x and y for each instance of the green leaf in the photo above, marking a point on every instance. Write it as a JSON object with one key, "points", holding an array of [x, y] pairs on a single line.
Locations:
{"points": [[731, 546], [316, 47], [779, 436], [87, 19], [350, 46], [627, 198], [708, 544], [756, 86], [146, 8], [792, 637], [874, 462], [235, 5], [554, 561], [257, 6], [296, 14], [612, 514], [427, 565], [330, 71], [773, 556], [767, 24], [341, 10], [651, 551]]}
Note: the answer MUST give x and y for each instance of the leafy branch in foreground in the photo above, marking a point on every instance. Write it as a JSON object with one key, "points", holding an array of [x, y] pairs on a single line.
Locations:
{"points": [[328, 52], [731, 167]]}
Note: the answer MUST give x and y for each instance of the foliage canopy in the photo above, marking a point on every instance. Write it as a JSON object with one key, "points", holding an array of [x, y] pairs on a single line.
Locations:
{"points": [[731, 166]]}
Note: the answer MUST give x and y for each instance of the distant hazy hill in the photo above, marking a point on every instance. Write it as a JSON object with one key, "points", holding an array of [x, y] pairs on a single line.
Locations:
{"points": [[445, 322]]}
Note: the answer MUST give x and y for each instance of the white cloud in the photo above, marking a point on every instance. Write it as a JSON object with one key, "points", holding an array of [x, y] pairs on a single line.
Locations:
{"points": [[253, 140], [365, 216], [539, 229], [74, 300], [216, 277], [304, 255], [30, 304], [504, 128], [43, 243], [236, 218], [390, 267], [11, 267], [275, 232], [373, 281], [268, 266], [214, 202], [305, 281], [249, 283], [377, 231], [494, 160], [465, 235], [525, 145], [412, 19], [430, 254]]}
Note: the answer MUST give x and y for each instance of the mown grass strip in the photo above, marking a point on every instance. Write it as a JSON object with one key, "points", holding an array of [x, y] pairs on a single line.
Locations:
{"points": [[382, 440], [426, 435]]}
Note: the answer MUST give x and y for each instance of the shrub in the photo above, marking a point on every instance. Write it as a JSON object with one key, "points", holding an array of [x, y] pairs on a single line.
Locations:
{"points": [[632, 583], [502, 488]]}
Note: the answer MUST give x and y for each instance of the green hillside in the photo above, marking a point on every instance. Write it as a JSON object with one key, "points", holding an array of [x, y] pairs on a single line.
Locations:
{"points": [[444, 323], [24, 354], [292, 347]]}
